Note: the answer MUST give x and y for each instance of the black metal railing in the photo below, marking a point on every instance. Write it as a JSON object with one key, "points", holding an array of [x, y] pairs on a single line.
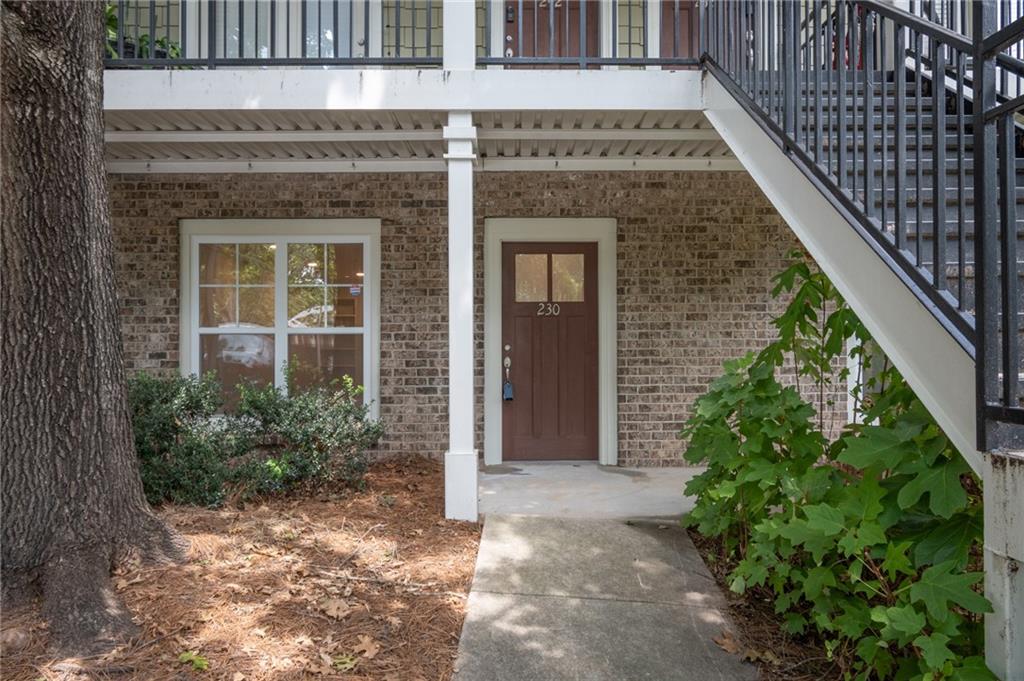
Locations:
{"points": [[240, 33], [877, 107], [583, 34]]}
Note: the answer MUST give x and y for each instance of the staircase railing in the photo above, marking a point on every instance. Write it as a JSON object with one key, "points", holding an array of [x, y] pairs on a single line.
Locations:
{"points": [[876, 106]]}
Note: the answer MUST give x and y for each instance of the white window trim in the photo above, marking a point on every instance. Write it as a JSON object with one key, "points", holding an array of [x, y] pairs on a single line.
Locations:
{"points": [[599, 230], [364, 231]]}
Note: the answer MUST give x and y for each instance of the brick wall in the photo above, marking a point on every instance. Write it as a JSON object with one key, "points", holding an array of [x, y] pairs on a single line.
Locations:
{"points": [[695, 255]]}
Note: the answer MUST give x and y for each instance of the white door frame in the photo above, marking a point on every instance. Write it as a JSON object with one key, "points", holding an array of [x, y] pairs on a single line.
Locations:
{"points": [[599, 230]]}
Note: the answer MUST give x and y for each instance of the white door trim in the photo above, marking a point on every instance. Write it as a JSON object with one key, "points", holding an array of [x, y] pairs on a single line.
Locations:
{"points": [[599, 230]]}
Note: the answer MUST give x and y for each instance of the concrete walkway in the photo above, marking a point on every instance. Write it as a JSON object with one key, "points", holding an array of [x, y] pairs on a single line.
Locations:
{"points": [[560, 598], [584, 490]]}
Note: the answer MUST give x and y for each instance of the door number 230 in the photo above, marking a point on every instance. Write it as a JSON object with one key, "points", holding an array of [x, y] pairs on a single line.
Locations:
{"points": [[548, 309]]}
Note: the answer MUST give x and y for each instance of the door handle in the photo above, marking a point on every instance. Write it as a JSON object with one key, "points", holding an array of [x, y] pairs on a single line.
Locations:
{"points": [[506, 387]]}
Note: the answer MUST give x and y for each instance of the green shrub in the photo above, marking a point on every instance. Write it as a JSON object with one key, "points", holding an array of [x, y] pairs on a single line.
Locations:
{"points": [[191, 454], [871, 539]]}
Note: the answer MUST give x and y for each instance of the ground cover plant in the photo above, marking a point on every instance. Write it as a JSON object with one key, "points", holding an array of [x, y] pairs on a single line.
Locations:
{"points": [[867, 542]]}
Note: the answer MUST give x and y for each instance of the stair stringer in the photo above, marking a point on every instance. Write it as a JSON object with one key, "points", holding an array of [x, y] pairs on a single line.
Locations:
{"points": [[938, 369]]}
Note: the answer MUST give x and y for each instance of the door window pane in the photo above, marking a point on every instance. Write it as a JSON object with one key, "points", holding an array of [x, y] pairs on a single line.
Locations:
{"points": [[344, 306], [531, 277], [567, 277], [345, 264], [319, 359], [235, 358]]}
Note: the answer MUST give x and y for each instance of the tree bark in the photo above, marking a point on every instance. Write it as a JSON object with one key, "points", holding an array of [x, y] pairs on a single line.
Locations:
{"points": [[72, 498]]}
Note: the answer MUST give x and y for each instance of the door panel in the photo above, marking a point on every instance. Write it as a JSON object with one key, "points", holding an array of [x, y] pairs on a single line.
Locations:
{"points": [[678, 29], [549, 337], [550, 28]]}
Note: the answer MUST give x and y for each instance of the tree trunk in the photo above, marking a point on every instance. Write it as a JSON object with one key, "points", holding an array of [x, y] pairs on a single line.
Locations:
{"points": [[72, 497]]}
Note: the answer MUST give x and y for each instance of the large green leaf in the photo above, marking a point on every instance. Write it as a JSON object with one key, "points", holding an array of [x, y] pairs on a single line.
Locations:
{"points": [[940, 585], [826, 519], [934, 649], [973, 669], [949, 540], [941, 482], [876, 445]]}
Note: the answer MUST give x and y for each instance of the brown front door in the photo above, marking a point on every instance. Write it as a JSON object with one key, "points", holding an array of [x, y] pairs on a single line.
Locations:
{"points": [[549, 348], [550, 28], [678, 29]]}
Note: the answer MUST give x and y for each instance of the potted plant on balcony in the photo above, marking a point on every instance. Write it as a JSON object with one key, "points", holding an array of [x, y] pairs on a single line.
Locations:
{"points": [[145, 48]]}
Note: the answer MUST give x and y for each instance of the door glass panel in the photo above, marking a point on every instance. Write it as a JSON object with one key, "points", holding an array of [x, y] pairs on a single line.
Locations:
{"points": [[567, 277], [235, 358], [216, 263], [531, 277], [345, 264], [320, 359]]}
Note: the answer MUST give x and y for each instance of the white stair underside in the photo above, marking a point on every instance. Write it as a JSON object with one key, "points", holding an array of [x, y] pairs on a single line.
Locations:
{"points": [[939, 370]]}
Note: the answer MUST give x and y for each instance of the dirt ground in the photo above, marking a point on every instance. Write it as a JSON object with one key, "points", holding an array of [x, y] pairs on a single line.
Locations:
{"points": [[760, 634], [360, 585]]}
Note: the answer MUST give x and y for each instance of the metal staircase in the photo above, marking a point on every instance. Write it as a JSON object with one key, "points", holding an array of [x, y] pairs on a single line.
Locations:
{"points": [[912, 134]]}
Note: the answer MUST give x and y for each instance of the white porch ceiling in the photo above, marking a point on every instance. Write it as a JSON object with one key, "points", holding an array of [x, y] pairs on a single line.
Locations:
{"points": [[291, 140]]}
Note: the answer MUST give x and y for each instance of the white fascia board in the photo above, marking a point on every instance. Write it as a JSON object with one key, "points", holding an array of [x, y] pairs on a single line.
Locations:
{"points": [[400, 90], [127, 166], [940, 372]]}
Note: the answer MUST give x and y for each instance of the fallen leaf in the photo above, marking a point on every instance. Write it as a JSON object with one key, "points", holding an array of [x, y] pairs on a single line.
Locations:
{"points": [[727, 643], [367, 646], [238, 676], [336, 608], [345, 663]]}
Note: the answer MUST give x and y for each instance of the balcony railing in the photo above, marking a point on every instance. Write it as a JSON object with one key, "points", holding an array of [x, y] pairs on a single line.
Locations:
{"points": [[246, 33], [355, 33], [587, 34]]}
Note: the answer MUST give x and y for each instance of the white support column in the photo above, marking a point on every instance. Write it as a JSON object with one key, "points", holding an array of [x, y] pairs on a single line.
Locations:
{"points": [[460, 461], [653, 24], [1004, 563], [459, 35]]}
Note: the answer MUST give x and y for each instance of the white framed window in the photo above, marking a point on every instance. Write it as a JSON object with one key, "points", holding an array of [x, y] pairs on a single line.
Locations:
{"points": [[260, 295]]}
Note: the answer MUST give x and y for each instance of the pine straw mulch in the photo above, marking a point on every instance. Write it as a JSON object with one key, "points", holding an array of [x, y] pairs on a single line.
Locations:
{"points": [[761, 637], [360, 585]]}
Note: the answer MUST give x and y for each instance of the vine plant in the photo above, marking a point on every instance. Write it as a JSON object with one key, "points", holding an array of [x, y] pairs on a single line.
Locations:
{"points": [[870, 538]]}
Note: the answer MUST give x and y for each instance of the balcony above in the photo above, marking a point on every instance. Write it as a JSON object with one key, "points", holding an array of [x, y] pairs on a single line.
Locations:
{"points": [[583, 34]]}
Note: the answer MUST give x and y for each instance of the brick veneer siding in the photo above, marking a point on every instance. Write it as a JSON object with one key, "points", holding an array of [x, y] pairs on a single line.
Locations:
{"points": [[695, 255]]}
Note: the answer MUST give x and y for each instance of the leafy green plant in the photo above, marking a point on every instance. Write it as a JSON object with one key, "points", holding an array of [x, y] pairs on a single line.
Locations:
{"points": [[191, 453], [870, 539], [194, 660]]}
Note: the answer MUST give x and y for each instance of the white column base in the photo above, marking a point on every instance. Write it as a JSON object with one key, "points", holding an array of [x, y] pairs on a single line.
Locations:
{"points": [[460, 485], [1004, 563]]}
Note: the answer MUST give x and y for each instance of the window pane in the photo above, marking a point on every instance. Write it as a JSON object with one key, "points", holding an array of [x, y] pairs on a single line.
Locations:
{"points": [[317, 359], [306, 306], [345, 306], [235, 358], [216, 263], [305, 263], [217, 306], [531, 277], [256, 305], [256, 263], [567, 277], [344, 263]]}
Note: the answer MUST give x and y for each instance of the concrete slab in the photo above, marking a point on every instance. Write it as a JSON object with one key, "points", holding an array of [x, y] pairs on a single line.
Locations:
{"points": [[556, 598], [643, 561], [584, 490], [542, 638]]}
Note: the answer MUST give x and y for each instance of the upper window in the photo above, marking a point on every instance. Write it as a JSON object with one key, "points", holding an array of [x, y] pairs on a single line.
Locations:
{"points": [[260, 301]]}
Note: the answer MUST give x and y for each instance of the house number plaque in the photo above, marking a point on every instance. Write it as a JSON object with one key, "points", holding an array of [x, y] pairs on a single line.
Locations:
{"points": [[548, 309]]}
